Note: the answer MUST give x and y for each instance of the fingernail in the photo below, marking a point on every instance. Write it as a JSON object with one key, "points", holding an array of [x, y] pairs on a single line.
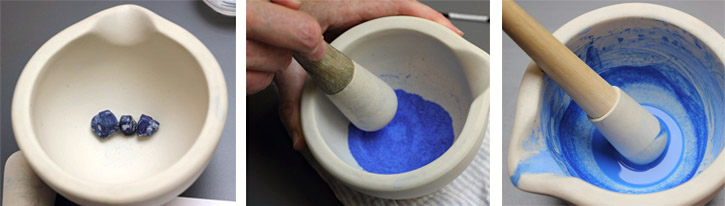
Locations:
{"points": [[298, 2], [295, 138], [319, 51], [443, 22], [446, 23], [295, 142]]}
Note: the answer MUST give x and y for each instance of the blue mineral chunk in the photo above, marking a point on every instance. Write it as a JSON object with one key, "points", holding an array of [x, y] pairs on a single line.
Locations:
{"points": [[146, 126], [127, 125], [104, 124]]}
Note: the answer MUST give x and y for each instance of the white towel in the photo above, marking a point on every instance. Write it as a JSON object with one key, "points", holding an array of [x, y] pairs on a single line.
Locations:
{"points": [[470, 188]]}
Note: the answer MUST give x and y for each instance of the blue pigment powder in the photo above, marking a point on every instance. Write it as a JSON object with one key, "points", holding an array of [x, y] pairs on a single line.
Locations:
{"points": [[662, 67], [420, 132]]}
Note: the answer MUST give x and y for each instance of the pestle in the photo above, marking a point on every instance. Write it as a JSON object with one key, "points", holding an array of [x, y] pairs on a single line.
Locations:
{"points": [[634, 132], [366, 100]]}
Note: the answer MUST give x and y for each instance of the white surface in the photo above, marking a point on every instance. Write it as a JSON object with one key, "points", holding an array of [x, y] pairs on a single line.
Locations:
{"points": [[141, 64], [367, 101], [470, 188], [224, 7], [699, 190], [631, 130], [444, 69], [21, 186]]}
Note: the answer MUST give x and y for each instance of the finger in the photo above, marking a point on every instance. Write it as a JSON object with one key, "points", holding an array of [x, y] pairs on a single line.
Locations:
{"points": [[266, 58], [292, 4], [417, 9], [347, 14], [289, 83], [257, 81], [286, 28]]}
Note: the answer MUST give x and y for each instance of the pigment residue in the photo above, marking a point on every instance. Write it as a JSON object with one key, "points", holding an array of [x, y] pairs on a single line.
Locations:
{"points": [[420, 132], [675, 102], [662, 68]]}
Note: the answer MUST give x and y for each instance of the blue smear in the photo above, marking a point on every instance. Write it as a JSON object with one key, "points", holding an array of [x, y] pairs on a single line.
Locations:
{"points": [[420, 132], [623, 172], [663, 68], [540, 163]]}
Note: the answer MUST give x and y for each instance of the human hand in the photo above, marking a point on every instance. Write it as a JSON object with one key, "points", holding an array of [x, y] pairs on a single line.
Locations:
{"points": [[274, 30], [334, 17]]}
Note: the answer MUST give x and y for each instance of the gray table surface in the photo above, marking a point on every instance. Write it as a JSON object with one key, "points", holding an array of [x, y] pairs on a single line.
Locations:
{"points": [[552, 15], [276, 174], [25, 26]]}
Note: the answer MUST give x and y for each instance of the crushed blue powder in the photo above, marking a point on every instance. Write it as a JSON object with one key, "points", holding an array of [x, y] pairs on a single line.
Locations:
{"points": [[127, 125], [104, 124], [146, 126], [420, 132]]}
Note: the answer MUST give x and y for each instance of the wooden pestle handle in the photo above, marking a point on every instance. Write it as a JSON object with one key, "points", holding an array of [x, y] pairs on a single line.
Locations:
{"points": [[332, 73], [590, 91]]}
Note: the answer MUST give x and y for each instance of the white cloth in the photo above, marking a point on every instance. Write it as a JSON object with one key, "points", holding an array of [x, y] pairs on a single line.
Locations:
{"points": [[470, 188]]}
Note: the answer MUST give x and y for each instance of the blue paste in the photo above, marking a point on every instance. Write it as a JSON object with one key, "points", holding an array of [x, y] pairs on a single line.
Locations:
{"points": [[127, 125], [104, 124], [146, 126], [663, 68], [420, 132]]}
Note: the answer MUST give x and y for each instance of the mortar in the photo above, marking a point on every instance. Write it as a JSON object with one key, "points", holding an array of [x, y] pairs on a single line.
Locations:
{"points": [[668, 61], [420, 57], [131, 61]]}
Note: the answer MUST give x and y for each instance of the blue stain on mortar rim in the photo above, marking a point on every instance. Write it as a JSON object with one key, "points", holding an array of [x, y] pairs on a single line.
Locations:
{"points": [[659, 65]]}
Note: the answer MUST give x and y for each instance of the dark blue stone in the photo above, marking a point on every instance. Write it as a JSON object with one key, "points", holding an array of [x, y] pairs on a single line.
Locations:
{"points": [[127, 125], [104, 124], [146, 126]]}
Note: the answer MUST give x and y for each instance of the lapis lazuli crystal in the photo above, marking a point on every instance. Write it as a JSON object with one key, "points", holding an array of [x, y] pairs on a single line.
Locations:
{"points": [[146, 126], [104, 124], [127, 125]]}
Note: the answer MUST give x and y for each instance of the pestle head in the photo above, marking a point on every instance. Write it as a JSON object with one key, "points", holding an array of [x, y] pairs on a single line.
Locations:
{"points": [[632, 130], [653, 150], [366, 100]]}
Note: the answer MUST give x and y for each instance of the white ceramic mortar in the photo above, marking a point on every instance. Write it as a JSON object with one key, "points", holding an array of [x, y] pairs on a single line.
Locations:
{"points": [[131, 61], [421, 57], [698, 190]]}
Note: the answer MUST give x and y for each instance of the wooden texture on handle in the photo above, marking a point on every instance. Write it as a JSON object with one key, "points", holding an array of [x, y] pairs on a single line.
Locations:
{"points": [[590, 91], [332, 73]]}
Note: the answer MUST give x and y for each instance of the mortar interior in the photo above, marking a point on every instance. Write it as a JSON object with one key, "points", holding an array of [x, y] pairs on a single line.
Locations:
{"points": [[405, 59], [661, 66], [156, 76]]}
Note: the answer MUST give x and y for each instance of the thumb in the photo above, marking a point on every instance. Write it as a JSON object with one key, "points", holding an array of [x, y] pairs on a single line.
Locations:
{"points": [[289, 83], [285, 28]]}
